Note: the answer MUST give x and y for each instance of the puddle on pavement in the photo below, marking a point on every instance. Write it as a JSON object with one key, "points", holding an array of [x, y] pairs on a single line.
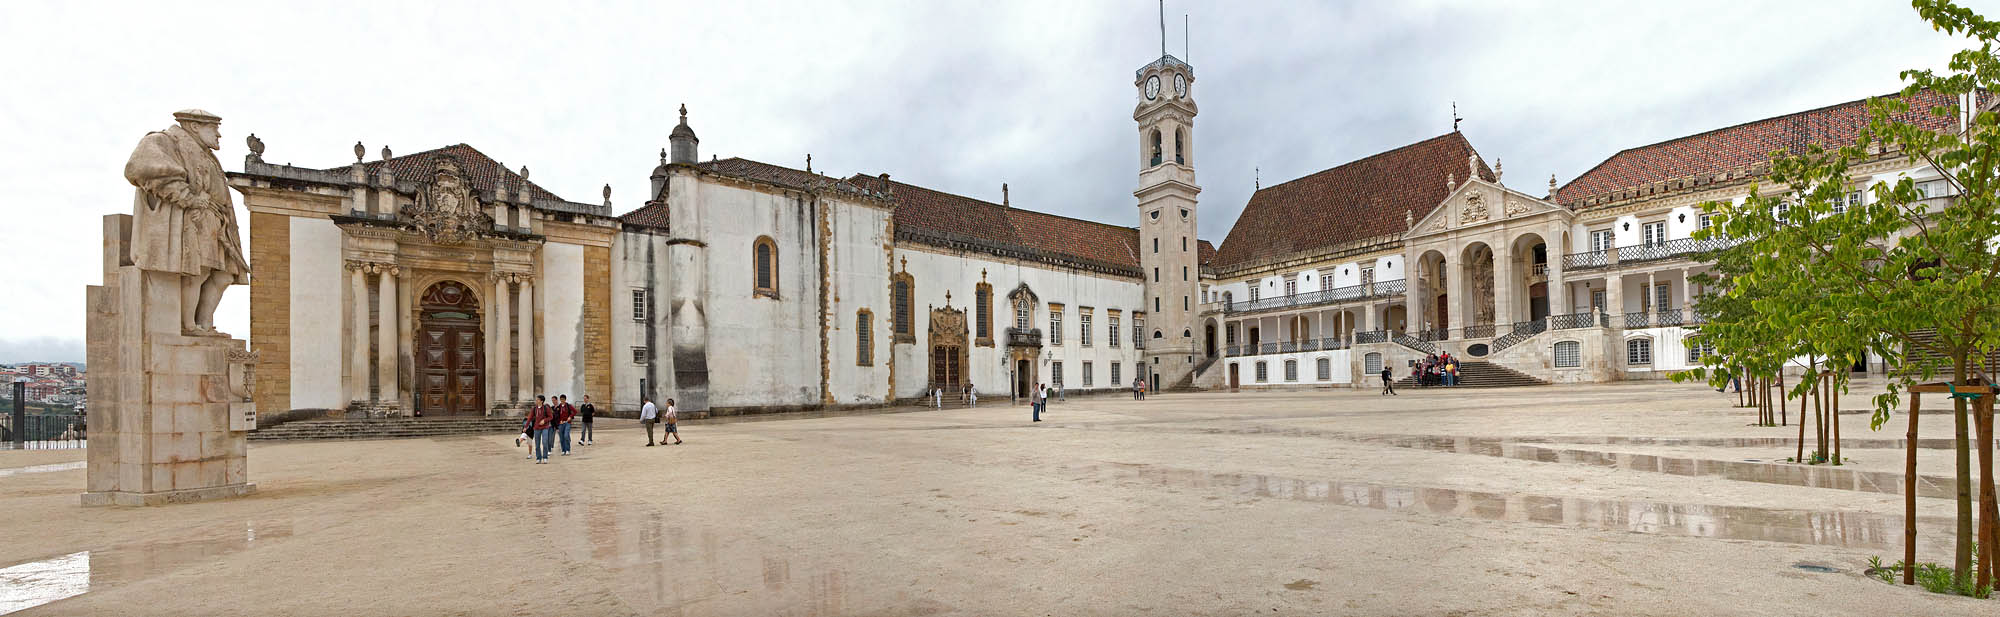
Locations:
{"points": [[1856, 530], [1790, 474], [15, 471], [35, 583]]}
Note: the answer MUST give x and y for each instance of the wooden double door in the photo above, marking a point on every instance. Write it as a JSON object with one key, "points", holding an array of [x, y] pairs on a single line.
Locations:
{"points": [[451, 353]]}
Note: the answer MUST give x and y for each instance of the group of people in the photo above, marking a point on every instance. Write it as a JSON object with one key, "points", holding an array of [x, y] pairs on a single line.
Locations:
{"points": [[1438, 369], [550, 421], [1138, 388], [969, 396]]}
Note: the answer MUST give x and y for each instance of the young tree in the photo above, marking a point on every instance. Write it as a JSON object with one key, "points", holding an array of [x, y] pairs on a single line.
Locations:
{"points": [[1905, 273]]}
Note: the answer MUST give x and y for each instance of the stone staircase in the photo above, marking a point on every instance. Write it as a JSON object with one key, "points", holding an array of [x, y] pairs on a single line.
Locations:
{"points": [[1476, 374], [385, 428], [1187, 382]]}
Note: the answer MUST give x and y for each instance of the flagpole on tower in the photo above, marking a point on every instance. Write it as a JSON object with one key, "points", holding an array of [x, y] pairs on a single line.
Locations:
{"points": [[1163, 28]]}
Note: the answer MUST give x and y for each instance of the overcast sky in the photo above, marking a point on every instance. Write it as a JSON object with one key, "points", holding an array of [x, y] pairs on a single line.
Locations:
{"points": [[956, 96]]}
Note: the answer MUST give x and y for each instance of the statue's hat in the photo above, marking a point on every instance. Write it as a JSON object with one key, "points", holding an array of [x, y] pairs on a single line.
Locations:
{"points": [[196, 115]]}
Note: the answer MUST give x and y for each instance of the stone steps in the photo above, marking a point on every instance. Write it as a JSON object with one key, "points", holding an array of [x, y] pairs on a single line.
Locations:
{"points": [[399, 428], [1474, 374]]}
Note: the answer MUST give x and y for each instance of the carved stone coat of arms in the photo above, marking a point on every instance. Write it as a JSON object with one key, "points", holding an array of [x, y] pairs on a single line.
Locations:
{"points": [[447, 211]]}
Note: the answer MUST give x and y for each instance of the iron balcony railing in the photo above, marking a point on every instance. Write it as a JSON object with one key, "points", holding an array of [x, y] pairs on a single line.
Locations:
{"points": [[1024, 337], [1372, 336], [1670, 317], [1523, 330], [1332, 344], [1586, 260], [1657, 319], [1311, 344], [1234, 351], [1414, 343], [1379, 289], [1672, 248], [1440, 334], [1479, 331], [1573, 321], [1267, 348], [1640, 319], [1288, 346]]}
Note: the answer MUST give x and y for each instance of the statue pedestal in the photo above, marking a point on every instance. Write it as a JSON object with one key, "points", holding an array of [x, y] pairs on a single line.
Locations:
{"points": [[169, 413]]}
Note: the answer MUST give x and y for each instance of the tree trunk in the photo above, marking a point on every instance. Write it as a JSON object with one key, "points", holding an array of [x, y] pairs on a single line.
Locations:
{"points": [[1836, 422], [1910, 496], [1989, 510], [1802, 427], [1961, 565], [1782, 398], [1819, 419]]}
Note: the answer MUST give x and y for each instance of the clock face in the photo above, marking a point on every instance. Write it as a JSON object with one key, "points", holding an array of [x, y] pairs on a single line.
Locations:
{"points": [[1180, 85], [1153, 87]]}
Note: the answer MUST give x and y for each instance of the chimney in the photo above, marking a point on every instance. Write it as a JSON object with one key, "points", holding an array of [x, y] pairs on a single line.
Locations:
{"points": [[1003, 196]]}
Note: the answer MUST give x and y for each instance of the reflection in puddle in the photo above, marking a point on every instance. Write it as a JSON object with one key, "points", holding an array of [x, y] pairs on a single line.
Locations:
{"points": [[1859, 530], [15, 471], [1790, 474], [32, 584]]}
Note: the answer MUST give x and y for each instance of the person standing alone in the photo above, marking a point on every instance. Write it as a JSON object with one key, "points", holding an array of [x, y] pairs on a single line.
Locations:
{"points": [[1387, 387], [673, 419], [589, 413]]}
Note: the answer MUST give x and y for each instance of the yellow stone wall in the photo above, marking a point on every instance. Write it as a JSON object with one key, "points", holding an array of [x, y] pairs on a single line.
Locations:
{"points": [[596, 325], [271, 308]]}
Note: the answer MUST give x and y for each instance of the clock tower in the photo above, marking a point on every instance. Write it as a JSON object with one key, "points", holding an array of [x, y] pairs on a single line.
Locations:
{"points": [[1169, 251]]}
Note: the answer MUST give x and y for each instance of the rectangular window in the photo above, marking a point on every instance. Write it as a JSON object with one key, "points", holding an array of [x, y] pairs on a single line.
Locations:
{"points": [[1662, 297], [1185, 304], [1263, 373], [1156, 304], [1569, 354], [1156, 245], [639, 355], [1706, 222], [1600, 240], [1055, 326], [864, 341], [1253, 291], [1055, 374], [1156, 275], [1325, 369], [982, 300], [1697, 350], [1083, 317], [1139, 331], [1367, 276], [1021, 314], [1639, 351], [1184, 244], [1115, 378], [1086, 375], [1597, 301], [1292, 285], [1853, 200], [1229, 335], [1184, 273], [1291, 370], [1654, 234], [1111, 333], [639, 303]]}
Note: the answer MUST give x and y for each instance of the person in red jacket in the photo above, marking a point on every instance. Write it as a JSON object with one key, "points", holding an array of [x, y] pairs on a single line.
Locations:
{"points": [[543, 418], [564, 414]]}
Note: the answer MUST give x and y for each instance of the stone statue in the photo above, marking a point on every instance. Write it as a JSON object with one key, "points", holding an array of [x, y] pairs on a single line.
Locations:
{"points": [[183, 219]]}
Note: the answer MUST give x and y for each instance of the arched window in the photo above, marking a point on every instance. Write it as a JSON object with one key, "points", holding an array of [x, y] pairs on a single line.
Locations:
{"points": [[1186, 333], [765, 257], [864, 338], [1156, 146], [902, 291], [1179, 138], [1022, 314], [1569, 354], [982, 308], [1156, 334]]}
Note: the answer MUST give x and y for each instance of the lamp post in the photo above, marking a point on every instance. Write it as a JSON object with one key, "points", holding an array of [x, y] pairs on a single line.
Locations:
{"points": [[20, 412]]}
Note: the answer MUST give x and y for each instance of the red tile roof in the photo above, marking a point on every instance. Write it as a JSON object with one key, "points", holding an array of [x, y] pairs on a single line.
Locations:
{"points": [[482, 170], [927, 213], [651, 215], [1737, 148], [1363, 199]]}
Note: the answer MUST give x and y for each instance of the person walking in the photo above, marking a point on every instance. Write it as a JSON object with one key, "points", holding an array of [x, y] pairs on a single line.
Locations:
{"points": [[544, 420], [1136, 382], [672, 419], [589, 413], [937, 398], [1388, 388], [1035, 399], [648, 415], [971, 395], [565, 414]]}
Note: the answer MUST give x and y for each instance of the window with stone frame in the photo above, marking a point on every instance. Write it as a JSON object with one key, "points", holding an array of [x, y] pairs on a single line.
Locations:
{"points": [[982, 318], [1291, 370], [1088, 381], [1021, 316], [1292, 285], [764, 257], [1698, 349], [1372, 363], [1111, 331], [1263, 372], [1707, 220], [1115, 379], [902, 309], [1325, 369], [1229, 334], [1138, 330], [1056, 374], [1083, 317], [1638, 351], [1253, 291], [640, 355], [1055, 324], [1598, 303], [1601, 240], [864, 338], [1568, 354], [1653, 234], [641, 301]]}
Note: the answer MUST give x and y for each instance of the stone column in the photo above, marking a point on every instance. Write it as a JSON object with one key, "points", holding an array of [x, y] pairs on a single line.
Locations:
{"points": [[1504, 311], [385, 336], [1559, 302], [1413, 293], [1368, 317], [524, 366], [1614, 298], [500, 371], [1687, 298], [1454, 285], [1648, 300], [357, 363]]}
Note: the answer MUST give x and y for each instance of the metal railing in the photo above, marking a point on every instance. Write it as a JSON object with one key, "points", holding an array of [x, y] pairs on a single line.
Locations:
{"points": [[1670, 317], [1523, 330], [1414, 343], [1440, 334], [1233, 351], [1288, 346], [1377, 289], [1573, 321], [1656, 319], [1586, 260], [1267, 348], [1640, 319], [1479, 331], [1024, 337], [1332, 344], [1311, 344], [42, 432], [1372, 336]]}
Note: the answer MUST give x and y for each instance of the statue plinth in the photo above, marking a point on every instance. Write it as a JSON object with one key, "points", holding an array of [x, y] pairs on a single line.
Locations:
{"points": [[169, 412]]}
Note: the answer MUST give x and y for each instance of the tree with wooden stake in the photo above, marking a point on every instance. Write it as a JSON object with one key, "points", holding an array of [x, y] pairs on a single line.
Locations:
{"points": [[1910, 275]]}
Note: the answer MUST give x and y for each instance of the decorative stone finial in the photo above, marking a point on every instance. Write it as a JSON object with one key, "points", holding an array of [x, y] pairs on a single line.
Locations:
{"points": [[809, 162], [1497, 167], [1409, 219], [359, 151], [1552, 186], [385, 153], [684, 113], [256, 145], [524, 173], [1003, 197], [663, 156], [607, 194], [1450, 182]]}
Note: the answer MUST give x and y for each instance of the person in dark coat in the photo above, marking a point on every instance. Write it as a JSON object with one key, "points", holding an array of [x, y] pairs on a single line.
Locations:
{"points": [[589, 413]]}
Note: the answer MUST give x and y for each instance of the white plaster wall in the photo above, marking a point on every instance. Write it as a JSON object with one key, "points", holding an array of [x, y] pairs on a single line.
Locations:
{"points": [[1340, 372], [1388, 269], [1625, 231], [762, 351], [936, 272], [858, 257], [1677, 227], [317, 315], [633, 256], [561, 289]]}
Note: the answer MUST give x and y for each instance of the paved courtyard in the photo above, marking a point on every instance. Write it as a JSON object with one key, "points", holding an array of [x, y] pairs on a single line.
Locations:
{"points": [[1625, 499]]}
